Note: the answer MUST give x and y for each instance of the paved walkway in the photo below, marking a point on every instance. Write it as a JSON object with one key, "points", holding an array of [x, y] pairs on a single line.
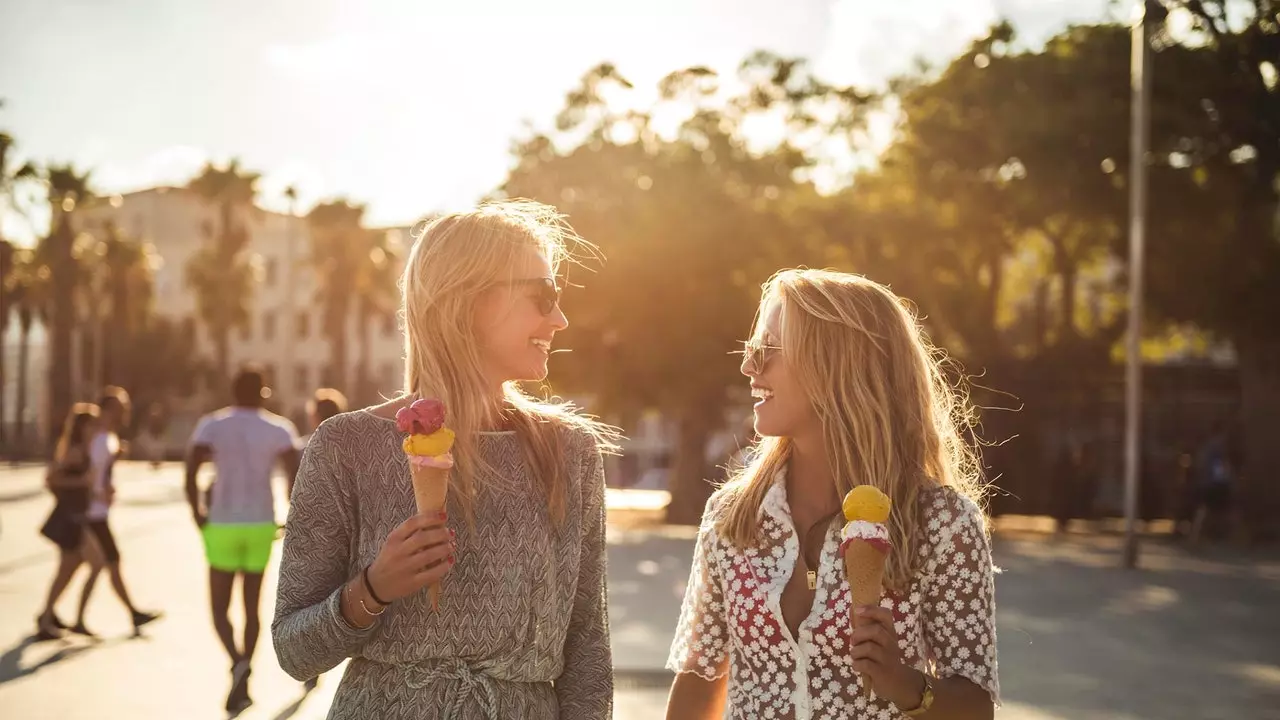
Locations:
{"points": [[1189, 636]]}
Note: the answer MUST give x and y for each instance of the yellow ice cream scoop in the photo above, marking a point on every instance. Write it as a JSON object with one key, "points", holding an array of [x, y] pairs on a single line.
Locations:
{"points": [[866, 503], [433, 445]]}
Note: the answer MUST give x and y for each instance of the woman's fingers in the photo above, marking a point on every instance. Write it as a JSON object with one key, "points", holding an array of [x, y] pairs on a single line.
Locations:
{"points": [[874, 633], [414, 524], [423, 540], [876, 614], [434, 571]]}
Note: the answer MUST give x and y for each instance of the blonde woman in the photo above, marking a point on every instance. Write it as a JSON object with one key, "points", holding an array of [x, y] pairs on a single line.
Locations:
{"points": [[68, 480], [522, 629], [850, 393]]}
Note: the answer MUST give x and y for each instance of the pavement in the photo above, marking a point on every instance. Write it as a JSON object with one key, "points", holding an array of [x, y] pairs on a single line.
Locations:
{"points": [[1190, 635]]}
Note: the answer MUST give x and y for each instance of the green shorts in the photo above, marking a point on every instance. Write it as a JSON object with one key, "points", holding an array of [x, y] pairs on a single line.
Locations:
{"points": [[239, 547]]}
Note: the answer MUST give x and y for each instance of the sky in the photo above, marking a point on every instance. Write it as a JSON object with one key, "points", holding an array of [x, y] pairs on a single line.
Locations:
{"points": [[409, 106]]}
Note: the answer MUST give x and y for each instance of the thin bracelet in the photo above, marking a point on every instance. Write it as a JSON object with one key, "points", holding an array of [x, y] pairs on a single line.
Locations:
{"points": [[363, 607], [364, 575], [367, 611]]}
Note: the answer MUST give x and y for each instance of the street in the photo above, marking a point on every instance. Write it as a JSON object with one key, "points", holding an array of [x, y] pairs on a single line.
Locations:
{"points": [[1189, 636]]}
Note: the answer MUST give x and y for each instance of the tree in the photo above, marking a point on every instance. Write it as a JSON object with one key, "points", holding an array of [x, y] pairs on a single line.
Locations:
{"points": [[1221, 269], [376, 301], [222, 271], [125, 267], [9, 180], [59, 254], [340, 253], [691, 224], [28, 293]]}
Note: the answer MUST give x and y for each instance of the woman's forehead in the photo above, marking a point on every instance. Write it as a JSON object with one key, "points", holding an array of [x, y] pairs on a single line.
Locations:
{"points": [[532, 264], [771, 319]]}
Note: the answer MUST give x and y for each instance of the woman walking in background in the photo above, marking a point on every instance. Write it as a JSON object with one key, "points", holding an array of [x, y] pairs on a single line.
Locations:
{"points": [[850, 393], [68, 480], [521, 630]]}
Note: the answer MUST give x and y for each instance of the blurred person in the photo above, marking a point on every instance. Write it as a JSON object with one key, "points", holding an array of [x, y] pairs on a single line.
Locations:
{"points": [[150, 442], [68, 480], [236, 517], [1214, 474], [522, 629], [324, 404], [105, 450], [850, 393]]}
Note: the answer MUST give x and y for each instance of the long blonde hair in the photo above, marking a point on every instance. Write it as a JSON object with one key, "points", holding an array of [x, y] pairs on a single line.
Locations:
{"points": [[454, 259], [890, 418]]}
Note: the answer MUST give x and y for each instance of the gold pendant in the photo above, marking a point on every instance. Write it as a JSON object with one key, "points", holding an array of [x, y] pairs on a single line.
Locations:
{"points": [[813, 579]]}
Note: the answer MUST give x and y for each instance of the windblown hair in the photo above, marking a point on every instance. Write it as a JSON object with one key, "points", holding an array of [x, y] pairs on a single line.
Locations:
{"points": [[890, 418], [73, 430], [455, 259]]}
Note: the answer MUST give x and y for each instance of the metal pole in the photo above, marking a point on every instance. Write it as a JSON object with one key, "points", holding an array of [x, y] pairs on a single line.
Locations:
{"points": [[1140, 127]]}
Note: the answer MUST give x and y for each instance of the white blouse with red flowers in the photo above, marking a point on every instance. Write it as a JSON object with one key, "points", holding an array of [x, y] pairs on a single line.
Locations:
{"points": [[732, 622]]}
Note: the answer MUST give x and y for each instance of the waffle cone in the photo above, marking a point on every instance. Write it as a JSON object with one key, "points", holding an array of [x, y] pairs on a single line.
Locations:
{"points": [[430, 489], [864, 564]]}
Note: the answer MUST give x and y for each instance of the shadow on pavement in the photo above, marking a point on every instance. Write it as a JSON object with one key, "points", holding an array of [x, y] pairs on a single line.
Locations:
{"points": [[1186, 636], [11, 667], [293, 708]]}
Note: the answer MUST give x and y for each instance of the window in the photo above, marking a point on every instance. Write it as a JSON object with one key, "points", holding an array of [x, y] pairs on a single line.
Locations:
{"points": [[246, 330], [271, 272], [268, 326], [304, 380], [304, 325], [269, 374]]}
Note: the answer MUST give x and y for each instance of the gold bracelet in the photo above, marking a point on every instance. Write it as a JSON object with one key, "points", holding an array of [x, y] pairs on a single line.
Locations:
{"points": [[363, 607], [369, 612]]}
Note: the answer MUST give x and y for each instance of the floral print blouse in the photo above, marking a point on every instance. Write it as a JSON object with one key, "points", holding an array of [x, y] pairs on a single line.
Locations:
{"points": [[731, 621]]}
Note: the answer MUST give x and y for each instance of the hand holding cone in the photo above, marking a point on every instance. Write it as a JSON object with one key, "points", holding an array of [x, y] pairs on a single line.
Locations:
{"points": [[865, 546], [428, 447]]}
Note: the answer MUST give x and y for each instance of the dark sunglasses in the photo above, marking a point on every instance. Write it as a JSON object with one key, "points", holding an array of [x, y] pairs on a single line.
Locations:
{"points": [[548, 293]]}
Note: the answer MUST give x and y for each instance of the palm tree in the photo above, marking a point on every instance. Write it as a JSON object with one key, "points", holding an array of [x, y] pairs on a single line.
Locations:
{"points": [[376, 298], [339, 247], [8, 183], [127, 266], [59, 254], [222, 272], [7, 301], [29, 294]]}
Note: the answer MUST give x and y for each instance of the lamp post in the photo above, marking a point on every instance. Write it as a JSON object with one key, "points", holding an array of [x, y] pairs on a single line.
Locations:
{"points": [[1151, 16]]}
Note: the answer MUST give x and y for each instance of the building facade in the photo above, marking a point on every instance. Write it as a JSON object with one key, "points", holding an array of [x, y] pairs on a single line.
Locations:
{"points": [[284, 333]]}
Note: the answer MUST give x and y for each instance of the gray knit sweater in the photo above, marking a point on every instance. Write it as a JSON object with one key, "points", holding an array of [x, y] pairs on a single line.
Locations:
{"points": [[522, 630]]}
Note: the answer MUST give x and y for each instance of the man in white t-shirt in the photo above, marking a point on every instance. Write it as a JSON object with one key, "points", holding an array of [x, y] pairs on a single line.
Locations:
{"points": [[104, 450], [237, 517]]}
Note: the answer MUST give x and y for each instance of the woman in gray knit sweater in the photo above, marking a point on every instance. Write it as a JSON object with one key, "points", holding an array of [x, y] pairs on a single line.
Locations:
{"points": [[522, 627]]}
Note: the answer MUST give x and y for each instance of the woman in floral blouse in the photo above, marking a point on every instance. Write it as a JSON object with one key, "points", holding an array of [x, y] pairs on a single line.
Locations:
{"points": [[850, 393]]}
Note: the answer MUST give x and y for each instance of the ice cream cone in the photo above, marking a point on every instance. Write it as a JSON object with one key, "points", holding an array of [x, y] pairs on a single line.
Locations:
{"points": [[864, 564], [430, 488]]}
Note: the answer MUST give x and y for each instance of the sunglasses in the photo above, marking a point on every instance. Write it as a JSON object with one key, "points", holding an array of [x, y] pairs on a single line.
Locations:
{"points": [[547, 294], [755, 355]]}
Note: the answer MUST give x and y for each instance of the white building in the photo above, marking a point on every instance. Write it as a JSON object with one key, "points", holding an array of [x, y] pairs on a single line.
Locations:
{"points": [[284, 333]]}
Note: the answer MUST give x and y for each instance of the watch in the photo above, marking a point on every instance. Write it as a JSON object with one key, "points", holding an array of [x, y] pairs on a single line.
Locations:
{"points": [[926, 699]]}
